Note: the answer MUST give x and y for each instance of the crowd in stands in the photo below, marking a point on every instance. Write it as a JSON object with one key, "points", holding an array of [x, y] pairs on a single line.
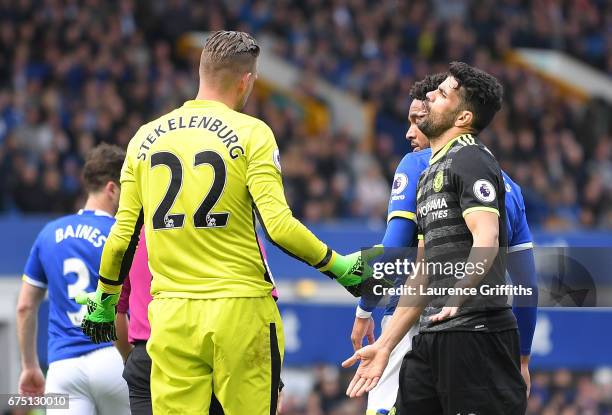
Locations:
{"points": [[552, 144], [558, 392], [76, 73]]}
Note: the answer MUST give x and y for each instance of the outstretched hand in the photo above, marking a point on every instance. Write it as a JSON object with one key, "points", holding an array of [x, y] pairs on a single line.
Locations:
{"points": [[373, 359]]}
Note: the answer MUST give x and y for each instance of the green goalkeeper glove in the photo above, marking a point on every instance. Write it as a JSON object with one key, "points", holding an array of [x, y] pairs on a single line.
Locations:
{"points": [[99, 321], [353, 270]]}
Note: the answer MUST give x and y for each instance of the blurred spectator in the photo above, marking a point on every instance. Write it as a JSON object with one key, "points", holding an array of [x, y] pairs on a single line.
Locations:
{"points": [[325, 396], [27, 192], [73, 74], [565, 392]]}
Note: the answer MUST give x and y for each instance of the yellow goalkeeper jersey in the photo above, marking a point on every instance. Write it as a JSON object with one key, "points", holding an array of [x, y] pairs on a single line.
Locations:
{"points": [[196, 178]]}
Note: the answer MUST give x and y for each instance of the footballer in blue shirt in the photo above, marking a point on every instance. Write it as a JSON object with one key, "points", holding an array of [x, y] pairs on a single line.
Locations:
{"points": [[401, 232], [64, 262]]}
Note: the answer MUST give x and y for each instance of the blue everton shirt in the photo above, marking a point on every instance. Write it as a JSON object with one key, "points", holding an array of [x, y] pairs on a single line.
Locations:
{"points": [[519, 236], [65, 260], [402, 203]]}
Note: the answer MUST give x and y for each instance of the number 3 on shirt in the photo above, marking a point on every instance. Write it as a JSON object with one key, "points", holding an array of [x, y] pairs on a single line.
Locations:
{"points": [[78, 267], [202, 218]]}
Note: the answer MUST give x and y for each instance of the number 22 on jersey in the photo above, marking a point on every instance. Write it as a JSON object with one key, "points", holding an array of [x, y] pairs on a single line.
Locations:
{"points": [[203, 217]]}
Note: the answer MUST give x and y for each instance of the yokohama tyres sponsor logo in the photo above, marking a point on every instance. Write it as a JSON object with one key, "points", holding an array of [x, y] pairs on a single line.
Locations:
{"points": [[435, 204]]}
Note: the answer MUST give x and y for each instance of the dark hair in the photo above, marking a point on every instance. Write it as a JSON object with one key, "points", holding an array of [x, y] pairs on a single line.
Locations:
{"points": [[430, 83], [480, 92], [229, 51], [103, 165]]}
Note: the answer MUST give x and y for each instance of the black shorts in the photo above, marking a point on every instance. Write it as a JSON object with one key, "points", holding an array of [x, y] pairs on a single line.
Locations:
{"points": [[137, 374], [460, 372]]}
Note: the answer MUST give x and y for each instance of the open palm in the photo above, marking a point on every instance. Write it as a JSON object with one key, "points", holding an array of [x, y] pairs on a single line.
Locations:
{"points": [[373, 362]]}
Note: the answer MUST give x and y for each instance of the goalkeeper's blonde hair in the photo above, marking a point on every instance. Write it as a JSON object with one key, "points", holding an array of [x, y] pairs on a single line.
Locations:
{"points": [[227, 55]]}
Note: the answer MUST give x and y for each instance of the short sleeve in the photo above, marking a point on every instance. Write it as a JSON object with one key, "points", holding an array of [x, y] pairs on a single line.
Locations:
{"points": [[402, 202], [476, 177], [521, 235], [34, 273], [263, 158]]}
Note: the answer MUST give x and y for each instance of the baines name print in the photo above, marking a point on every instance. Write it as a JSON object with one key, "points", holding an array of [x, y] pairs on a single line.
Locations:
{"points": [[90, 234]]}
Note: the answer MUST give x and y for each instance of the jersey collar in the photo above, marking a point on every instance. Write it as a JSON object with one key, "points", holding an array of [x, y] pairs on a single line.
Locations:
{"points": [[96, 212], [442, 152], [200, 103]]}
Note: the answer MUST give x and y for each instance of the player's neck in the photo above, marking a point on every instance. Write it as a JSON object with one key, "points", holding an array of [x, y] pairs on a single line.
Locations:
{"points": [[208, 94], [439, 142], [99, 202]]}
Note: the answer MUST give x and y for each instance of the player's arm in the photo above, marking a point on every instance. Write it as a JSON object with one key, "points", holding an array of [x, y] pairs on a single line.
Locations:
{"points": [[521, 267], [281, 228], [476, 178], [31, 379], [522, 271], [265, 186], [31, 296], [400, 232], [401, 218], [123, 239], [409, 307], [121, 321], [374, 358], [484, 227]]}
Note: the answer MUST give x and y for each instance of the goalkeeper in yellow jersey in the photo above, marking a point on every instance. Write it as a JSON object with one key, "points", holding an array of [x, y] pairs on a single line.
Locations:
{"points": [[196, 178]]}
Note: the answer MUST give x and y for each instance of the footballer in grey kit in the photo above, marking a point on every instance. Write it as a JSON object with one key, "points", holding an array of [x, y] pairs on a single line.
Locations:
{"points": [[466, 358], [463, 177]]}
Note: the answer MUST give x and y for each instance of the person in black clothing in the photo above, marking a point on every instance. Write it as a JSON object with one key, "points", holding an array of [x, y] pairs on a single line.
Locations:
{"points": [[466, 357]]}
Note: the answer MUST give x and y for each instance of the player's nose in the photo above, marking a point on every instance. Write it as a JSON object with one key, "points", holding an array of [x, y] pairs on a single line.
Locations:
{"points": [[410, 134], [431, 95]]}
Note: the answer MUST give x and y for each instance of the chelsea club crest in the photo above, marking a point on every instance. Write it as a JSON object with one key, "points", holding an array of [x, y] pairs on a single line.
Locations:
{"points": [[438, 181]]}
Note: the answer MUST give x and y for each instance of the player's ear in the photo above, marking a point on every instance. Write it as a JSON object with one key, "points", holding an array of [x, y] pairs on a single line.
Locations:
{"points": [[112, 188], [247, 79], [464, 119]]}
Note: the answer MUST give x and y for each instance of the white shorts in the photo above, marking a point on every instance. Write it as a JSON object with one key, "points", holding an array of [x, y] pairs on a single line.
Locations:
{"points": [[383, 396], [93, 382]]}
